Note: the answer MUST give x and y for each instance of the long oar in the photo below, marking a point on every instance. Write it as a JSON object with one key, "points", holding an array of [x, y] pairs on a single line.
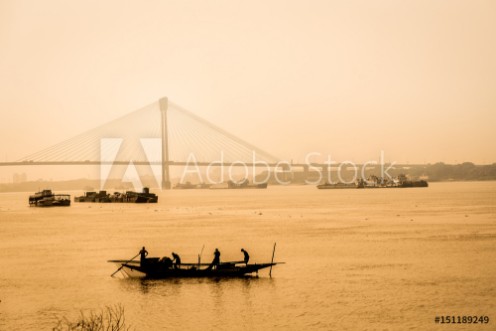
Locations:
{"points": [[271, 262], [199, 256], [122, 266]]}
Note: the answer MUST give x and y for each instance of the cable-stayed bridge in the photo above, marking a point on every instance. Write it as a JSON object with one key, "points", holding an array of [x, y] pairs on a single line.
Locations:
{"points": [[159, 135]]}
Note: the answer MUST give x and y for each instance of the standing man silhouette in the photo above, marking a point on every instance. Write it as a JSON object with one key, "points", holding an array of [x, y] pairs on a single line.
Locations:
{"points": [[143, 254], [216, 260]]}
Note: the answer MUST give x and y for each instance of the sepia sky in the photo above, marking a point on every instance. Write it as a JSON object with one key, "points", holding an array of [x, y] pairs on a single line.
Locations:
{"points": [[415, 79]]}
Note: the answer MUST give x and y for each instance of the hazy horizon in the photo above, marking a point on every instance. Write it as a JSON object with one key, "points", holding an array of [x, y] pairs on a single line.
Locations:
{"points": [[350, 79]]}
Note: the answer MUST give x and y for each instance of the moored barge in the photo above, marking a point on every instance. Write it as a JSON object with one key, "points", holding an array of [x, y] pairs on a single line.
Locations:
{"points": [[47, 198], [117, 197]]}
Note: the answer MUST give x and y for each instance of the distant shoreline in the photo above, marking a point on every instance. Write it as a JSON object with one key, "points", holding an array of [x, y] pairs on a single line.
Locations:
{"points": [[31, 187], [438, 172]]}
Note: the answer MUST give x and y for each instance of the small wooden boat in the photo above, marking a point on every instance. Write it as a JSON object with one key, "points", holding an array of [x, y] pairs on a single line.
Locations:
{"points": [[156, 268], [162, 268]]}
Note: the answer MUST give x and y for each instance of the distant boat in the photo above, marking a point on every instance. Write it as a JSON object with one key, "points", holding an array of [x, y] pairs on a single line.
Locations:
{"points": [[376, 182], [244, 184], [190, 186], [335, 186], [414, 183], [46, 198], [401, 181], [117, 197]]}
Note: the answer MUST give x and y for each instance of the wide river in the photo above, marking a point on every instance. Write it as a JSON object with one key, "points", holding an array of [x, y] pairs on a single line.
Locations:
{"points": [[377, 259]]}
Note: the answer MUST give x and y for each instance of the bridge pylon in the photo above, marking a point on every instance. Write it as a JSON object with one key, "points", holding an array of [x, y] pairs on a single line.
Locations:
{"points": [[164, 105]]}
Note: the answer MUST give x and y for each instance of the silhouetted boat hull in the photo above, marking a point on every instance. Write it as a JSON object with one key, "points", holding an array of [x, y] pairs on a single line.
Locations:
{"points": [[158, 269], [58, 200]]}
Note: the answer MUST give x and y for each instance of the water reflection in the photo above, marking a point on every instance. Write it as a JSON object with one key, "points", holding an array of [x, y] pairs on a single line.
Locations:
{"points": [[174, 286]]}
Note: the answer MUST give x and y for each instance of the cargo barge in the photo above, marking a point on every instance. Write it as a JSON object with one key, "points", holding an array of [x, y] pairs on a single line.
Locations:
{"points": [[117, 197], [376, 182], [47, 198]]}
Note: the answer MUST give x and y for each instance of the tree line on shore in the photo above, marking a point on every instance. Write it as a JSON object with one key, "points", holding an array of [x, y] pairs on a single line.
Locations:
{"points": [[436, 172]]}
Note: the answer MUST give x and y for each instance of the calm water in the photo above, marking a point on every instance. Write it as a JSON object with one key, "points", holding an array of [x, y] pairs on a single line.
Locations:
{"points": [[388, 259]]}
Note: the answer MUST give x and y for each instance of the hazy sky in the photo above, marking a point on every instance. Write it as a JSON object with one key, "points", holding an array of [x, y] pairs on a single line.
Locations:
{"points": [[416, 79]]}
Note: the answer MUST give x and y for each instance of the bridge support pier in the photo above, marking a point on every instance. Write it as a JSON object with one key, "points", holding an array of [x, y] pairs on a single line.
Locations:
{"points": [[166, 183]]}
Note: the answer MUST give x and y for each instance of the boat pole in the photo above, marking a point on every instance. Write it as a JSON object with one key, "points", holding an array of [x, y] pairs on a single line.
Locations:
{"points": [[272, 261], [199, 256], [125, 264]]}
